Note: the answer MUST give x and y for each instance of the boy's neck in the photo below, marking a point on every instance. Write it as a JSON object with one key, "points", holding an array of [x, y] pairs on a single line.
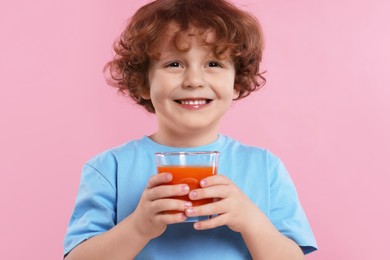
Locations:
{"points": [[185, 140]]}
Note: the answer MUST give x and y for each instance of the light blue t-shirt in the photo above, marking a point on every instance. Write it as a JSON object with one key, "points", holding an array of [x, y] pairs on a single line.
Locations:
{"points": [[112, 183]]}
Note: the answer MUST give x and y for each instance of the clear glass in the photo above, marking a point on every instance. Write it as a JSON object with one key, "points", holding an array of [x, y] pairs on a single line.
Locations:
{"points": [[189, 168]]}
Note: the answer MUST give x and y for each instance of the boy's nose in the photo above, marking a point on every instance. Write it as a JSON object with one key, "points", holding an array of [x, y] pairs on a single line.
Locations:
{"points": [[193, 78]]}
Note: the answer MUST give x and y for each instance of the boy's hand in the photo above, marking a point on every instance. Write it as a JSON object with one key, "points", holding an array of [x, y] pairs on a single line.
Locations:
{"points": [[233, 207], [150, 217], [240, 214]]}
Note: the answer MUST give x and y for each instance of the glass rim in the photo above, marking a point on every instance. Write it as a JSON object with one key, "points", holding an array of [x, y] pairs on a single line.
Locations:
{"points": [[187, 153]]}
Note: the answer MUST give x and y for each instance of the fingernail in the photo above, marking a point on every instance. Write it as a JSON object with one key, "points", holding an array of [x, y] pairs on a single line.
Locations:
{"points": [[196, 225], [203, 183], [185, 188], [168, 177], [193, 194], [189, 211], [187, 204]]}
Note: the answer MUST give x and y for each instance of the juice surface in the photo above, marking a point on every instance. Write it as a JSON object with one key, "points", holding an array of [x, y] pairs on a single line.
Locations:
{"points": [[190, 175]]}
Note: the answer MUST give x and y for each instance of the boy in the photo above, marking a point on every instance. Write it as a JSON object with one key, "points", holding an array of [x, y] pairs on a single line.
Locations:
{"points": [[186, 61]]}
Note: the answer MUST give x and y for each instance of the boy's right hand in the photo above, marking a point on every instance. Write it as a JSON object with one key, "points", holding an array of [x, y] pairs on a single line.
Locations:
{"points": [[149, 217]]}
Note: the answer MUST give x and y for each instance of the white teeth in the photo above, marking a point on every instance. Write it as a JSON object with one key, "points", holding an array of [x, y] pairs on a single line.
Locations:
{"points": [[193, 102]]}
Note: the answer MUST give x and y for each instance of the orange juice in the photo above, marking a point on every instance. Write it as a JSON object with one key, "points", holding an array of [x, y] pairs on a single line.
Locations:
{"points": [[190, 175]]}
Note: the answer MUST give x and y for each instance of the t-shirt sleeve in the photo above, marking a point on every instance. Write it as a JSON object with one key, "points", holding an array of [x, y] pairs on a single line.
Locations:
{"points": [[94, 211], [286, 212]]}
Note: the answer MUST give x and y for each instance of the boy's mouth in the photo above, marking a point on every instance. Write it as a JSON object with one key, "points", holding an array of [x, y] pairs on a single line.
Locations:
{"points": [[193, 102]]}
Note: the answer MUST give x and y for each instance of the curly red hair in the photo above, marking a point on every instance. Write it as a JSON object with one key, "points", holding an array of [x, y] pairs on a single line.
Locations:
{"points": [[236, 31]]}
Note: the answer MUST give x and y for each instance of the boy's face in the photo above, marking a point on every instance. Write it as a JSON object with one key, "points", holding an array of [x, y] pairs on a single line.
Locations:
{"points": [[190, 90]]}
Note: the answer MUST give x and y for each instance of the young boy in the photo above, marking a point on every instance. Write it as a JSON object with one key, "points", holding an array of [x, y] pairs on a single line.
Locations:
{"points": [[186, 61]]}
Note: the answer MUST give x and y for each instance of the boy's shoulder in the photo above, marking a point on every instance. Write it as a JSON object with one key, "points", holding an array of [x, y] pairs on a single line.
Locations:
{"points": [[235, 145], [116, 153], [250, 152]]}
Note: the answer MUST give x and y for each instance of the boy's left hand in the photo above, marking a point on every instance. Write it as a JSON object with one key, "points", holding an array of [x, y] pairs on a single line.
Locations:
{"points": [[233, 207]]}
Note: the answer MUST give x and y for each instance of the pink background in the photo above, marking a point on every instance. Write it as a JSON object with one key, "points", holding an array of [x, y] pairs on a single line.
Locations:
{"points": [[324, 111]]}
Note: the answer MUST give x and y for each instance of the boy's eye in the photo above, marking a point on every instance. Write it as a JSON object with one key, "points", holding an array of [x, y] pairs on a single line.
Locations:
{"points": [[214, 64], [174, 64]]}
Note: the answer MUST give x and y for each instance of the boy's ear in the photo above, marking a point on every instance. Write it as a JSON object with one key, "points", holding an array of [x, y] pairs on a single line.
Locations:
{"points": [[236, 93], [145, 94]]}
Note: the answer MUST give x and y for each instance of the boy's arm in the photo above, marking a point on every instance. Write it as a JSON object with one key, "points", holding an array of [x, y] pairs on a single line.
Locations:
{"points": [[126, 239], [287, 215], [234, 209], [121, 242], [264, 241]]}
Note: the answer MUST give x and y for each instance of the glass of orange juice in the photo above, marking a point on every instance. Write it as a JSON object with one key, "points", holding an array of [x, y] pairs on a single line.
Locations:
{"points": [[189, 168]]}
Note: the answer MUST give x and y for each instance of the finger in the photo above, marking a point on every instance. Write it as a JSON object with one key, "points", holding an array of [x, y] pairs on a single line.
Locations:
{"points": [[215, 180], [165, 191], [158, 179], [219, 191], [169, 218], [170, 205], [210, 209], [211, 223]]}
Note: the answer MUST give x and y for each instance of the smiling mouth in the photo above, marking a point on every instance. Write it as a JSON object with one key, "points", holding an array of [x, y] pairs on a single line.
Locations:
{"points": [[193, 102]]}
